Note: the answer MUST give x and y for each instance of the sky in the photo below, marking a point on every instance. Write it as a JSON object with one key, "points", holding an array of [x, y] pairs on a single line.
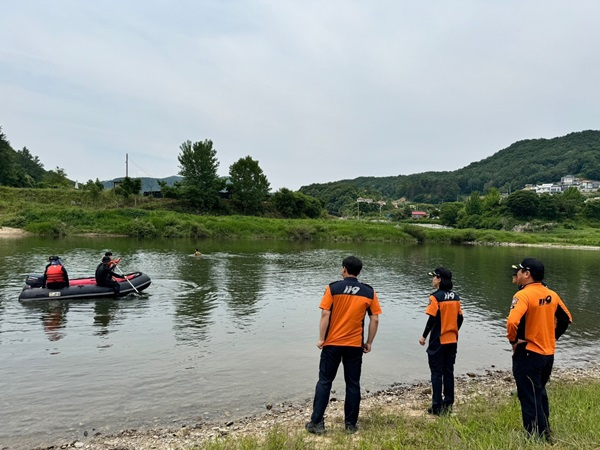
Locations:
{"points": [[314, 90]]}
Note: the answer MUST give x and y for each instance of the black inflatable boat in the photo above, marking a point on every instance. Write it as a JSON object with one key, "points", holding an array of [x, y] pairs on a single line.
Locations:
{"points": [[81, 288]]}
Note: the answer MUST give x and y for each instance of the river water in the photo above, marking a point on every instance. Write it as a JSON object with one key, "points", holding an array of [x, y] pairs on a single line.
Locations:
{"points": [[224, 334]]}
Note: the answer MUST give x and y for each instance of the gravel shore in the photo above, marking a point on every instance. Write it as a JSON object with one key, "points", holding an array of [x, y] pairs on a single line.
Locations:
{"points": [[409, 399]]}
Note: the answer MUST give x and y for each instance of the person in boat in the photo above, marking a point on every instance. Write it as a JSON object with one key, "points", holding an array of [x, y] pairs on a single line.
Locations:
{"points": [[197, 253], [55, 274], [104, 275], [113, 262]]}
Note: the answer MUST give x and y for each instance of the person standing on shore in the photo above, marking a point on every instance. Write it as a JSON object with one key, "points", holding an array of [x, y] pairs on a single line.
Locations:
{"points": [[341, 339], [544, 318], [445, 319]]}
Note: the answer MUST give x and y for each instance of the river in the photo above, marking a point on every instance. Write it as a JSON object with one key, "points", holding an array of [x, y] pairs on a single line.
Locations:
{"points": [[224, 334]]}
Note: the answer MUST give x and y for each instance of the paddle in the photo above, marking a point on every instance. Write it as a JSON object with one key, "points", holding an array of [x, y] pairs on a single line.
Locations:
{"points": [[130, 283]]}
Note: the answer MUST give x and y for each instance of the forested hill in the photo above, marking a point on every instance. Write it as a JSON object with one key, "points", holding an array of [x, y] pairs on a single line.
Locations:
{"points": [[530, 161]]}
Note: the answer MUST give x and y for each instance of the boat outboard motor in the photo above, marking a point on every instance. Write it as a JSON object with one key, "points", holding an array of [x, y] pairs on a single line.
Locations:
{"points": [[34, 280]]}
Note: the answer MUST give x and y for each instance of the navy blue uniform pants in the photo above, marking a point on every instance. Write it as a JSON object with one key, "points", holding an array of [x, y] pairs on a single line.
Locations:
{"points": [[441, 364], [331, 356], [532, 371]]}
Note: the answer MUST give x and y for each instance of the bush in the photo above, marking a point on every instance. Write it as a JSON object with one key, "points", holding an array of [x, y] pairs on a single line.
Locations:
{"points": [[463, 236], [53, 228], [415, 231], [301, 233], [141, 228]]}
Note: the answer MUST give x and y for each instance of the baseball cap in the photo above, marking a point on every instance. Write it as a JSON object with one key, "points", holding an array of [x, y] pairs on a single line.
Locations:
{"points": [[106, 259], [441, 272], [534, 266]]}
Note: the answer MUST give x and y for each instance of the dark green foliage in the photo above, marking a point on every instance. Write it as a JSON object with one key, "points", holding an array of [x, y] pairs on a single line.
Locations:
{"points": [[55, 179], [449, 213], [129, 186], [415, 231], [201, 184], [249, 186], [570, 202], [592, 209], [525, 162], [523, 204], [174, 191], [548, 207], [295, 205]]}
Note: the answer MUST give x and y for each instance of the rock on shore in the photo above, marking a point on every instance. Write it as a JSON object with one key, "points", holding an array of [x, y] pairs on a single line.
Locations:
{"points": [[408, 399]]}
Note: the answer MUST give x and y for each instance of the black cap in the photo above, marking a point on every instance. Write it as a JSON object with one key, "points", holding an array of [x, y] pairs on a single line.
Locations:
{"points": [[534, 266], [106, 259], [514, 270], [441, 272], [108, 254]]}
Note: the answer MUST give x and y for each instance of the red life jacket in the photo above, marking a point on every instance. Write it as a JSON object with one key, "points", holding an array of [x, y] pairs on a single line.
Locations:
{"points": [[54, 274]]}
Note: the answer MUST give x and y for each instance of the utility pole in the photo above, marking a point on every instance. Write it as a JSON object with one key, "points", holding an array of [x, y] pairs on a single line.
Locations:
{"points": [[126, 165]]}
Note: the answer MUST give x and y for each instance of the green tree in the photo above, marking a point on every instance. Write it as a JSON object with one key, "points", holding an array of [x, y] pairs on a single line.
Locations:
{"points": [[130, 186], [592, 209], [249, 185], [449, 213], [7, 162], [548, 207], [491, 200], [30, 164], [55, 179], [167, 191], [523, 203], [570, 202], [198, 165], [295, 205], [474, 205]]}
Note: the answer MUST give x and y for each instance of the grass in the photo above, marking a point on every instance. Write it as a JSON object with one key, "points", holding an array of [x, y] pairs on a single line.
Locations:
{"points": [[481, 424], [57, 213]]}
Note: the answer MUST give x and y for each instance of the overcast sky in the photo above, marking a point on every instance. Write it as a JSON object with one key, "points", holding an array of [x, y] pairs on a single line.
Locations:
{"points": [[314, 90]]}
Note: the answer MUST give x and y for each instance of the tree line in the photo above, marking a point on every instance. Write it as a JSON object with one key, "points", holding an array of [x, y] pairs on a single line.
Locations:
{"points": [[525, 162], [245, 191]]}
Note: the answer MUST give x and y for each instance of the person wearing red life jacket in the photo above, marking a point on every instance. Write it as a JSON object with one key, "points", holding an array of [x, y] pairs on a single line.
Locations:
{"points": [[55, 274]]}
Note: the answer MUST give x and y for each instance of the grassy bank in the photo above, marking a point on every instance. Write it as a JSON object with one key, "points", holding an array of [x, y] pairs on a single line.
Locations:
{"points": [[478, 424], [51, 212]]}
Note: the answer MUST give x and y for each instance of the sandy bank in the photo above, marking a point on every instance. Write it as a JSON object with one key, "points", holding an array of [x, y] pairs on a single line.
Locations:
{"points": [[8, 232]]}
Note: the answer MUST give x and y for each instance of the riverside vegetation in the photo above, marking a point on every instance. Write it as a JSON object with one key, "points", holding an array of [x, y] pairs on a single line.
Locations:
{"points": [[55, 212]]}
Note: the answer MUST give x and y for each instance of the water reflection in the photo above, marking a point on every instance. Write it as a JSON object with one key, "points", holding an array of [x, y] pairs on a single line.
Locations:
{"points": [[194, 299], [54, 319], [241, 278], [105, 311]]}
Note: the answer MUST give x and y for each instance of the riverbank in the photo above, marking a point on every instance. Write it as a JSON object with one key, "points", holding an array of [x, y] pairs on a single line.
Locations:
{"points": [[9, 232], [408, 401]]}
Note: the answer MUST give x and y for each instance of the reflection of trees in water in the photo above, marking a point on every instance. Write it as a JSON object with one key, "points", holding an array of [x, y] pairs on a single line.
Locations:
{"points": [[235, 280], [54, 319], [194, 300], [242, 279]]}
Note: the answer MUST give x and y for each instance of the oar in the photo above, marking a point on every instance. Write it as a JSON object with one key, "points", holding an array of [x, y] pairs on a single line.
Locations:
{"points": [[124, 276]]}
